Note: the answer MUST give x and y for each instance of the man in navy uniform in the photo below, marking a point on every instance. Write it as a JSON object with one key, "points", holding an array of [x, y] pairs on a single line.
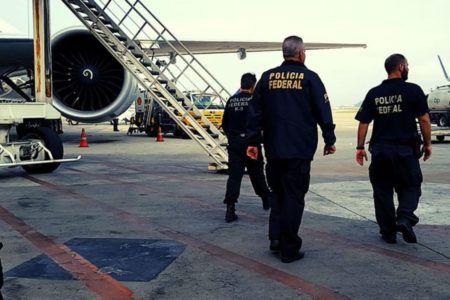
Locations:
{"points": [[394, 106], [233, 124], [288, 104]]}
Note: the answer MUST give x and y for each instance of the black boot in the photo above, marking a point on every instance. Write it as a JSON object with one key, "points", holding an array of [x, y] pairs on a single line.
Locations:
{"points": [[230, 214], [404, 226]]}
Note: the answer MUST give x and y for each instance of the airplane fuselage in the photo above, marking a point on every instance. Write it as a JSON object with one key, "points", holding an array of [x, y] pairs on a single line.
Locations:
{"points": [[15, 53]]}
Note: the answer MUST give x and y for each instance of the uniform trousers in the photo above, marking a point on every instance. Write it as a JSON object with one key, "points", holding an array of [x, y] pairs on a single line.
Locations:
{"points": [[237, 161], [289, 181], [396, 168]]}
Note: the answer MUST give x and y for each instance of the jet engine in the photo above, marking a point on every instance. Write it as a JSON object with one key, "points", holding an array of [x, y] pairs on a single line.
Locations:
{"points": [[89, 85]]}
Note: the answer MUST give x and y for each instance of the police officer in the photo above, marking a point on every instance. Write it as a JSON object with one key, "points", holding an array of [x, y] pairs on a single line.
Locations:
{"points": [[233, 124], [288, 104], [394, 106]]}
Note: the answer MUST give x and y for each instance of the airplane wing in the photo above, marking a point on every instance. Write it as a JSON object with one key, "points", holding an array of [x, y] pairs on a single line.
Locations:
{"points": [[163, 48]]}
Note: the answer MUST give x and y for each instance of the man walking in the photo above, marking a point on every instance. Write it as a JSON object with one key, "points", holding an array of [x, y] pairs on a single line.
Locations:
{"points": [[288, 104], [233, 124], [394, 106]]}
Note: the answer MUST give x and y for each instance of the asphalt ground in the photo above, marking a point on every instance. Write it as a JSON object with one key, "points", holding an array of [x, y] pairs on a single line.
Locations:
{"points": [[140, 219]]}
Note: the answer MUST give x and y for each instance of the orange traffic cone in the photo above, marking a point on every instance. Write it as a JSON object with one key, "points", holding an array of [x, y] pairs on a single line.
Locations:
{"points": [[159, 137], [83, 140]]}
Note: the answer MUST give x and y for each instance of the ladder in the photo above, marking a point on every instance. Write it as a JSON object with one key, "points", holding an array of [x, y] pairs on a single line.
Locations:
{"points": [[132, 34]]}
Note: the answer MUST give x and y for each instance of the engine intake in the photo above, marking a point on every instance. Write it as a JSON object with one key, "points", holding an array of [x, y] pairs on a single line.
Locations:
{"points": [[89, 84]]}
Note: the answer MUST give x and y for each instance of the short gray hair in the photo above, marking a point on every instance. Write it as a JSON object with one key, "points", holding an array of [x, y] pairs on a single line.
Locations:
{"points": [[292, 46]]}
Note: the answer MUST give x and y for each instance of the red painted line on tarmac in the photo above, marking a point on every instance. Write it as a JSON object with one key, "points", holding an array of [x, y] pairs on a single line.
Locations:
{"points": [[441, 267], [436, 229], [102, 284], [260, 268], [292, 281]]}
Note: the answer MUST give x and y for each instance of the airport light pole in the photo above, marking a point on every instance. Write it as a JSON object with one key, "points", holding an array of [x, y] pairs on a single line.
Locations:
{"points": [[42, 51]]}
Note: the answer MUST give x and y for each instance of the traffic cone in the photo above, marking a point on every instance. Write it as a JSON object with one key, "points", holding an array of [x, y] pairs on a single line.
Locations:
{"points": [[159, 137], [83, 140]]}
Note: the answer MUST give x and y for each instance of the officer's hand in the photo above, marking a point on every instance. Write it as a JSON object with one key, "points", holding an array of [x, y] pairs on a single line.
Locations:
{"points": [[329, 149], [360, 156], [426, 152], [252, 152]]}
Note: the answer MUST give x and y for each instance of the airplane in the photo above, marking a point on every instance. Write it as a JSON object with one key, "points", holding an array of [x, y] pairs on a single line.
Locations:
{"points": [[111, 95], [95, 80]]}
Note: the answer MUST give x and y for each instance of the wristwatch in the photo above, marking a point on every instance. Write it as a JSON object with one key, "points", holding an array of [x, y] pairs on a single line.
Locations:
{"points": [[360, 148]]}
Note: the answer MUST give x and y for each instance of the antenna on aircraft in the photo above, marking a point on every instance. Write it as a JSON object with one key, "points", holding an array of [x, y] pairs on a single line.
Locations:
{"points": [[443, 68]]}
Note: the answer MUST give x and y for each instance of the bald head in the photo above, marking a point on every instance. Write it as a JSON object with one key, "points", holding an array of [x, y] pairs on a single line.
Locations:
{"points": [[292, 47]]}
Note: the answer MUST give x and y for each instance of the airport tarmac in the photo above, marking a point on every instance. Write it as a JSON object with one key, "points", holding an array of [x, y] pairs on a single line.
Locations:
{"points": [[138, 219]]}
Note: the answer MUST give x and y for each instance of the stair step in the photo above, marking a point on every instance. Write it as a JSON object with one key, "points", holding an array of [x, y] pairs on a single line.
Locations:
{"points": [[104, 20], [120, 38], [89, 5], [94, 11], [112, 29], [137, 54], [155, 80]]}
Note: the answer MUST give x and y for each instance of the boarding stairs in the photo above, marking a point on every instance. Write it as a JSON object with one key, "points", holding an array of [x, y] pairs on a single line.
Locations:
{"points": [[132, 34]]}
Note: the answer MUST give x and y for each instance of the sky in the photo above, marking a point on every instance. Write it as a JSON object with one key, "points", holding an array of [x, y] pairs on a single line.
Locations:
{"points": [[418, 29]]}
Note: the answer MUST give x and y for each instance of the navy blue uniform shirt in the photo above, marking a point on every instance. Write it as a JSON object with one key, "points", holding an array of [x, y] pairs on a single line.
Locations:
{"points": [[235, 114], [288, 103], [394, 106]]}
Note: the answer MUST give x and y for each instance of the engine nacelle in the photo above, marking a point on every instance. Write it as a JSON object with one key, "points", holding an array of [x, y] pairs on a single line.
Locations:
{"points": [[89, 85]]}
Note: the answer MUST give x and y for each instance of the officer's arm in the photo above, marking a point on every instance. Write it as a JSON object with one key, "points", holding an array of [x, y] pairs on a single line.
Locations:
{"points": [[425, 129], [424, 121], [360, 151], [322, 109], [254, 118], [254, 122]]}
